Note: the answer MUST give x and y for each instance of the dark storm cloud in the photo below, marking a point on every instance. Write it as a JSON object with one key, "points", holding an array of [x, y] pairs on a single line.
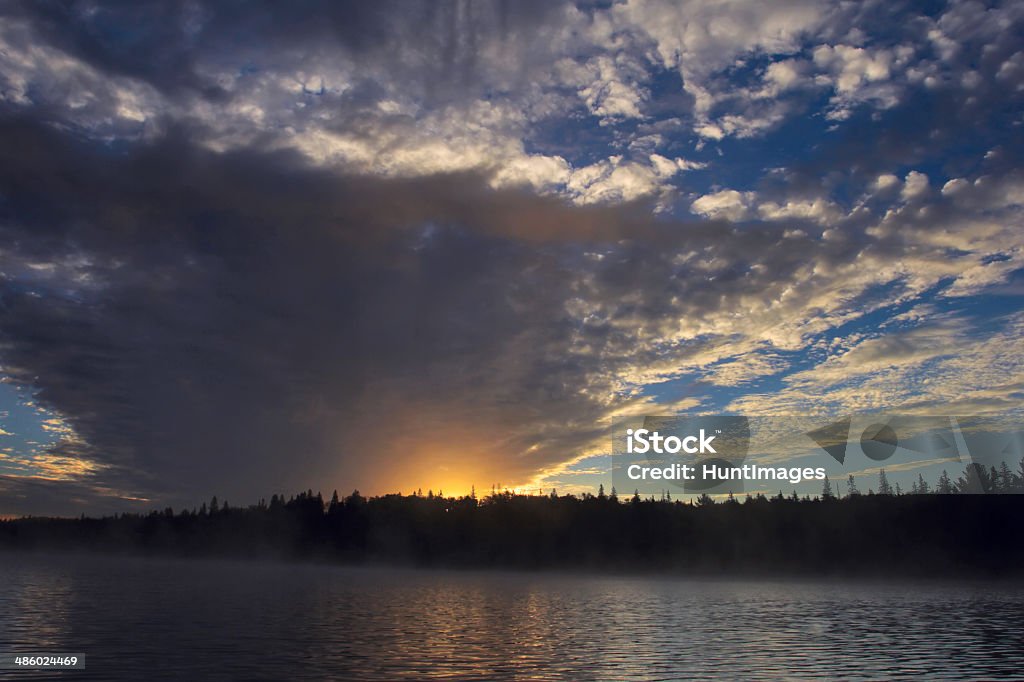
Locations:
{"points": [[224, 299], [227, 322], [26, 496], [434, 43]]}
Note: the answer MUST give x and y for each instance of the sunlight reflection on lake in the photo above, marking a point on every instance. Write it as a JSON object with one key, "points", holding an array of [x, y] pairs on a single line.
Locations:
{"points": [[202, 619]]}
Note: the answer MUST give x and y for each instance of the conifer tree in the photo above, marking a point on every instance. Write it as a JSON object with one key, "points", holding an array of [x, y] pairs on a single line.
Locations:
{"points": [[1008, 480], [826, 490], [883, 483]]}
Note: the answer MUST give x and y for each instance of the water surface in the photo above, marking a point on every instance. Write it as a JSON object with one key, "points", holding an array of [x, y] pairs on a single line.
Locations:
{"points": [[208, 619]]}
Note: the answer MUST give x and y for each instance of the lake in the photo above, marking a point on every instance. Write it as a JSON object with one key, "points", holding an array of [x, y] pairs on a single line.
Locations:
{"points": [[192, 620]]}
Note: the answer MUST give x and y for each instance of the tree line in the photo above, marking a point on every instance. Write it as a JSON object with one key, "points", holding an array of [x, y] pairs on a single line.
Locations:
{"points": [[877, 532], [975, 479]]}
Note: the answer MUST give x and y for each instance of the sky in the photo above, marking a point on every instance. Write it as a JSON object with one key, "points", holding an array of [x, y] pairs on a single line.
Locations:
{"points": [[249, 248]]}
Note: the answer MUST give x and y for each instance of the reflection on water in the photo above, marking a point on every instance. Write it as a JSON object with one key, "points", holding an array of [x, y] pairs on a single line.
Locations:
{"points": [[197, 620]]}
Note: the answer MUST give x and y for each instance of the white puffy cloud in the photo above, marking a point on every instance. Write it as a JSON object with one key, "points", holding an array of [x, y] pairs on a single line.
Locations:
{"points": [[884, 183], [986, 192], [818, 210], [611, 87], [915, 186], [727, 204], [860, 75], [617, 180], [785, 75], [701, 38]]}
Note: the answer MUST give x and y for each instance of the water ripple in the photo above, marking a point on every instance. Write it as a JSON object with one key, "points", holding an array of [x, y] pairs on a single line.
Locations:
{"points": [[204, 620]]}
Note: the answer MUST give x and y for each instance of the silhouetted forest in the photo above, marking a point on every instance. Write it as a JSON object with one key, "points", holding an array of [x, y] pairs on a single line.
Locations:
{"points": [[880, 533]]}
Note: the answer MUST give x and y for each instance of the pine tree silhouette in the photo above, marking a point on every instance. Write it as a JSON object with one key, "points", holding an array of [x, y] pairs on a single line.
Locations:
{"points": [[826, 490], [883, 483]]}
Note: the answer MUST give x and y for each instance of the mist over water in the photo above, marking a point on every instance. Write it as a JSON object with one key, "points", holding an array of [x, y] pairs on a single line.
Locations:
{"points": [[205, 619]]}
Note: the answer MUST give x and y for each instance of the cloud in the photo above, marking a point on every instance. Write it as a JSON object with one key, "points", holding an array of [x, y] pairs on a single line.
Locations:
{"points": [[746, 369], [784, 75], [727, 204], [615, 180], [860, 75], [442, 244], [244, 318], [894, 350], [936, 368], [915, 186], [885, 182], [700, 39], [817, 210]]}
